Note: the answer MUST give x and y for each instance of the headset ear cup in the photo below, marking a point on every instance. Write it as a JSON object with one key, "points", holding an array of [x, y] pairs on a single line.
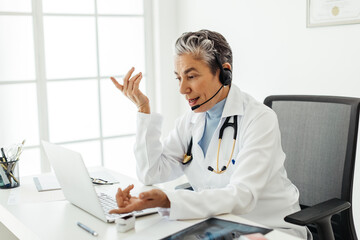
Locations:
{"points": [[227, 76]]}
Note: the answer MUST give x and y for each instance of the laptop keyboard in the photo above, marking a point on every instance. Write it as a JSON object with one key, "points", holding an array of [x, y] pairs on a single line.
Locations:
{"points": [[107, 202]]}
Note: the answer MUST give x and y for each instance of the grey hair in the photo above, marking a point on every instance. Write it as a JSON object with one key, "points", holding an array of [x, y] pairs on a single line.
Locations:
{"points": [[204, 45]]}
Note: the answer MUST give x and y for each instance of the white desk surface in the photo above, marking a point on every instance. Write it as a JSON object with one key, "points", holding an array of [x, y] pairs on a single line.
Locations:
{"points": [[30, 214]]}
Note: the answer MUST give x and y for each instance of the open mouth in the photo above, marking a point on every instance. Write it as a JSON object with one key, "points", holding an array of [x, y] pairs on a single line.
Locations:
{"points": [[193, 101]]}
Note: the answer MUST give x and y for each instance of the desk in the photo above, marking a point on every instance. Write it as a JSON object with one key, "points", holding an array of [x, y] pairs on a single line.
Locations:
{"points": [[46, 215]]}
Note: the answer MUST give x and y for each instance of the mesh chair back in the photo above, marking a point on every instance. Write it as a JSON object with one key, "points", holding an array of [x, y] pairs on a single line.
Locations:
{"points": [[318, 135]]}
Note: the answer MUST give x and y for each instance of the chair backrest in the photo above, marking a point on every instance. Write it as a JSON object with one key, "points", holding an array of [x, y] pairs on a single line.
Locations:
{"points": [[319, 136]]}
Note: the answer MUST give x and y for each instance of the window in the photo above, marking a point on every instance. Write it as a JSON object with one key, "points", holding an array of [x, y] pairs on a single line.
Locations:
{"points": [[55, 63]]}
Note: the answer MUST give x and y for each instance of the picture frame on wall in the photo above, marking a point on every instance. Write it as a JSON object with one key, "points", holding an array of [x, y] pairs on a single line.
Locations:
{"points": [[332, 12]]}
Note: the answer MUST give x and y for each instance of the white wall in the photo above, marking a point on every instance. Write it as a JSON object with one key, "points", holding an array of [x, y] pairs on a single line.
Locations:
{"points": [[274, 52]]}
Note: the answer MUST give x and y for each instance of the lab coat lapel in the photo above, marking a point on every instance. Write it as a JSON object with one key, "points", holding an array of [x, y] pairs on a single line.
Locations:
{"points": [[234, 103]]}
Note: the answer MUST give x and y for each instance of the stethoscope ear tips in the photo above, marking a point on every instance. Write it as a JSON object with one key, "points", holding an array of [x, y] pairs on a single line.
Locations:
{"points": [[212, 170]]}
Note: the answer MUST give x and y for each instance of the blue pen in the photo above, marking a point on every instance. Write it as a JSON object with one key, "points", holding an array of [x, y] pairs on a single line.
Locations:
{"points": [[86, 228]]}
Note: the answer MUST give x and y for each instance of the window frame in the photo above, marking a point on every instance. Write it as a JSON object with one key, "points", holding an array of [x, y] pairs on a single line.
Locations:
{"points": [[41, 79]]}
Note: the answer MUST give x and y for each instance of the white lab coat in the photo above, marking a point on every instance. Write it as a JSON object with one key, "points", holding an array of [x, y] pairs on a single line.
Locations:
{"points": [[255, 187]]}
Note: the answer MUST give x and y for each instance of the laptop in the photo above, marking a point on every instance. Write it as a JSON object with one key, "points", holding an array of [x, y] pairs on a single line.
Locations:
{"points": [[77, 186]]}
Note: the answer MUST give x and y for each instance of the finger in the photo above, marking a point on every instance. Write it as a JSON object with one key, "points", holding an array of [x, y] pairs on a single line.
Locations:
{"points": [[131, 82], [117, 84], [136, 83], [127, 76], [120, 198], [133, 78], [137, 92], [128, 189], [121, 210]]}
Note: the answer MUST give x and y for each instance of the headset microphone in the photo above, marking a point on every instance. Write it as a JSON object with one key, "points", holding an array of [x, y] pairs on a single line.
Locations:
{"points": [[199, 105], [224, 77]]}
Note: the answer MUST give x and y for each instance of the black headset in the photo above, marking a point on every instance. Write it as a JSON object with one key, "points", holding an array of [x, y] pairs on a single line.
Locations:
{"points": [[225, 77], [225, 73]]}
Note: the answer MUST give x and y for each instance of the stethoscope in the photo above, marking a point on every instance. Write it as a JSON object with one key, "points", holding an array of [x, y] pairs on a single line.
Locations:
{"points": [[188, 156]]}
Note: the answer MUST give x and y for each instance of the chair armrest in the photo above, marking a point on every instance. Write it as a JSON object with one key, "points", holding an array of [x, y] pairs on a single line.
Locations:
{"points": [[318, 212]]}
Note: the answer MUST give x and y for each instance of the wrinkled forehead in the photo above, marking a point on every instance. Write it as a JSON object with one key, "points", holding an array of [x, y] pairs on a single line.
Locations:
{"points": [[186, 62]]}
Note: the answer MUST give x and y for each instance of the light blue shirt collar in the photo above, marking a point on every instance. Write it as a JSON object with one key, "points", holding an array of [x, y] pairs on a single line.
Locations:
{"points": [[216, 111], [212, 120]]}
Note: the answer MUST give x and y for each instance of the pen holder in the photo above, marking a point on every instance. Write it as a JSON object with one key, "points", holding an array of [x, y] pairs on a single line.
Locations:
{"points": [[9, 174]]}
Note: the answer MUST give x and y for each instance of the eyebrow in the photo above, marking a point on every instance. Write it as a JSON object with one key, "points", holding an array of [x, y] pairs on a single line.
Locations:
{"points": [[187, 70]]}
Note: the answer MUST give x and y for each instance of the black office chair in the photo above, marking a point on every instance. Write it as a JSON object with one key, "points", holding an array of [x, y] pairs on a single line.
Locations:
{"points": [[319, 136]]}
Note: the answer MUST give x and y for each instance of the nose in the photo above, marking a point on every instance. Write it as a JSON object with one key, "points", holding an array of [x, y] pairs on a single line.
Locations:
{"points": [[184, 87]]}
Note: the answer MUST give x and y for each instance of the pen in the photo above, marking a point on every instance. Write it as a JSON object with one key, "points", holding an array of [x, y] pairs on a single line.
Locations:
{"points": [[86, 228], [3, 154], [9, 172], [20, 148]]}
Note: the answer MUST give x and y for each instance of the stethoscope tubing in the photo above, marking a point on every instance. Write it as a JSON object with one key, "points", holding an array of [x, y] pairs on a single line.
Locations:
{"points": [[188, 156]]}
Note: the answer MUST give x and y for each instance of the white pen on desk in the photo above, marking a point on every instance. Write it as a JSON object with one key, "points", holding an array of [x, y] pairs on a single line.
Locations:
{"points": [[86, 228]]}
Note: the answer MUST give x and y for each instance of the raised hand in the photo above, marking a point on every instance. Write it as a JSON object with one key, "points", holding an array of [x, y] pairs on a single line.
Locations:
{"points": [[130, 89]]}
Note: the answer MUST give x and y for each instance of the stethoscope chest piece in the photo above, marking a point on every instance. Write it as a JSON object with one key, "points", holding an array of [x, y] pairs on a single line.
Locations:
{"points": [[188, 155], [187, 159]]}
